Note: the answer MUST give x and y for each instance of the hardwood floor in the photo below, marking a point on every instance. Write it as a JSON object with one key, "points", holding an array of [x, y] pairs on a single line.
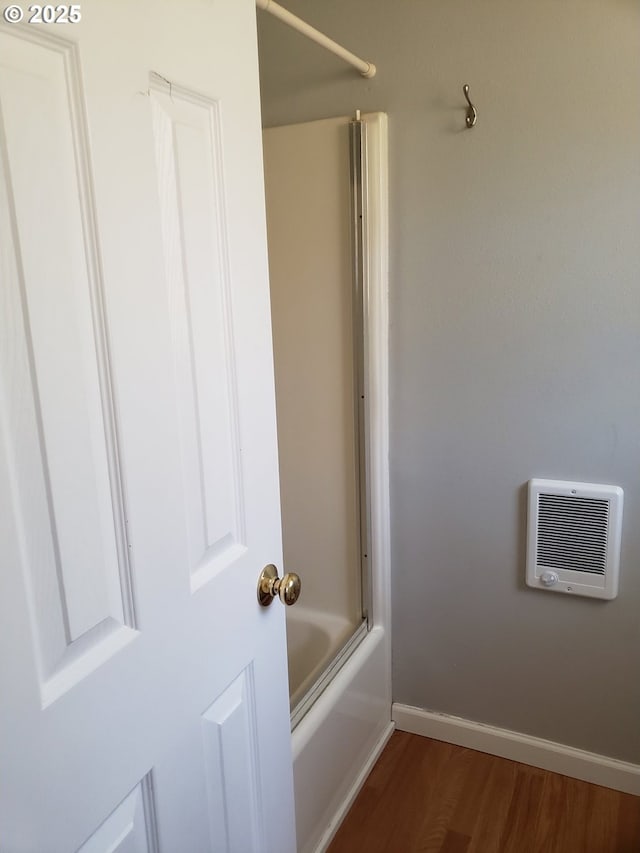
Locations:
{"points": [[425, 795]]}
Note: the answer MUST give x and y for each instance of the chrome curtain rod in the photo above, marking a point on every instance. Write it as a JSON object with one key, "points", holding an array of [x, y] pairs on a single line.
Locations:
{"points": [[367, 69]]}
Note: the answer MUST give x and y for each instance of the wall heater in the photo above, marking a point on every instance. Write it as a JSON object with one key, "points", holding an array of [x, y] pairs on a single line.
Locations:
{"points": [[573, 537]]}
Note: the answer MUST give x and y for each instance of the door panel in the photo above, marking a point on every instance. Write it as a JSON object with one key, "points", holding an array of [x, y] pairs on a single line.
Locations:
{"points": [[196, 255], [143, 691], [67, 523], [130, 828], [228, 731]]}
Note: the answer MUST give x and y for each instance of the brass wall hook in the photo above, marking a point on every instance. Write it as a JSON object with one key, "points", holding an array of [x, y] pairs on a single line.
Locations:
{"points": [[472, 115]]}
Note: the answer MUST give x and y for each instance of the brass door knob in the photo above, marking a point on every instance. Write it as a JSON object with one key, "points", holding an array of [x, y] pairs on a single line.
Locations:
{"points": [[287, 589]]}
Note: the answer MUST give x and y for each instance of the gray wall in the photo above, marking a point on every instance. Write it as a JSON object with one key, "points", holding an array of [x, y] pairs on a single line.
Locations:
{"points": [[515, 339]]}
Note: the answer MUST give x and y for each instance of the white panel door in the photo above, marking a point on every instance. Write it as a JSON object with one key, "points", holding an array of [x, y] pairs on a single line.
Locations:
{"points": [[143, 691]]}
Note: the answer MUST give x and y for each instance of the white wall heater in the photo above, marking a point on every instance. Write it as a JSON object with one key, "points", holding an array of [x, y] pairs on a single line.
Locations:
{"points": [[573, 537]]}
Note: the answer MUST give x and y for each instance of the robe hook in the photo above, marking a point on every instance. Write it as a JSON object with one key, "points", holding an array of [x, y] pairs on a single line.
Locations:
{"points": [[472, 115]]}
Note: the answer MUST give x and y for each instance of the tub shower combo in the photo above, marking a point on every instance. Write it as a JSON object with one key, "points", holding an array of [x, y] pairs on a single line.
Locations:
{"points": [[327, 227]]}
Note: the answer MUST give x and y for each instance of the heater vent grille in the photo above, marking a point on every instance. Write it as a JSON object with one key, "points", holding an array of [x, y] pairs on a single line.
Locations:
{"points": [[572, 533], [573, 538]]}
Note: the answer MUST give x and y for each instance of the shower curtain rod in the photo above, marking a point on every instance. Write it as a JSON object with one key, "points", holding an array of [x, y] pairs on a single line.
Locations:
{"points": [[367, 69]]}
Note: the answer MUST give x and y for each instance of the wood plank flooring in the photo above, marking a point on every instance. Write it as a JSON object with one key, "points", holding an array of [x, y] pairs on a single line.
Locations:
{"points": [[429, 796]]}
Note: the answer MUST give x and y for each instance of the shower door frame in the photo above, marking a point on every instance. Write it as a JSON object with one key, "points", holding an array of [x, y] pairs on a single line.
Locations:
{"points": [[359, 251], [369, 252]]}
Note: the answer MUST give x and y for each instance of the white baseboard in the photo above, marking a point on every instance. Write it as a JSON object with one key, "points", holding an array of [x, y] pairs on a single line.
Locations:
{"points": [[354, 790], [526, 749]]}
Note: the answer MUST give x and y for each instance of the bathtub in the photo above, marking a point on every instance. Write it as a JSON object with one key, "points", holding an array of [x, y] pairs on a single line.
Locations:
{"points": [[313, 640], [340, 736]]}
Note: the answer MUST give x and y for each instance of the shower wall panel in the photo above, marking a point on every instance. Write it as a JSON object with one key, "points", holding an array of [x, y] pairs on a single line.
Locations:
{"points": [[308, 218]]}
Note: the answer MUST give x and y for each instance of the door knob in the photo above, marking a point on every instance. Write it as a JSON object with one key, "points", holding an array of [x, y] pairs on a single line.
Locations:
{"points": [[287, 589]]}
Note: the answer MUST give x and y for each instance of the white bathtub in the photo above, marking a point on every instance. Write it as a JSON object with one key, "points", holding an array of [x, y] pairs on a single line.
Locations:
{"points": [[337, 741]]}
